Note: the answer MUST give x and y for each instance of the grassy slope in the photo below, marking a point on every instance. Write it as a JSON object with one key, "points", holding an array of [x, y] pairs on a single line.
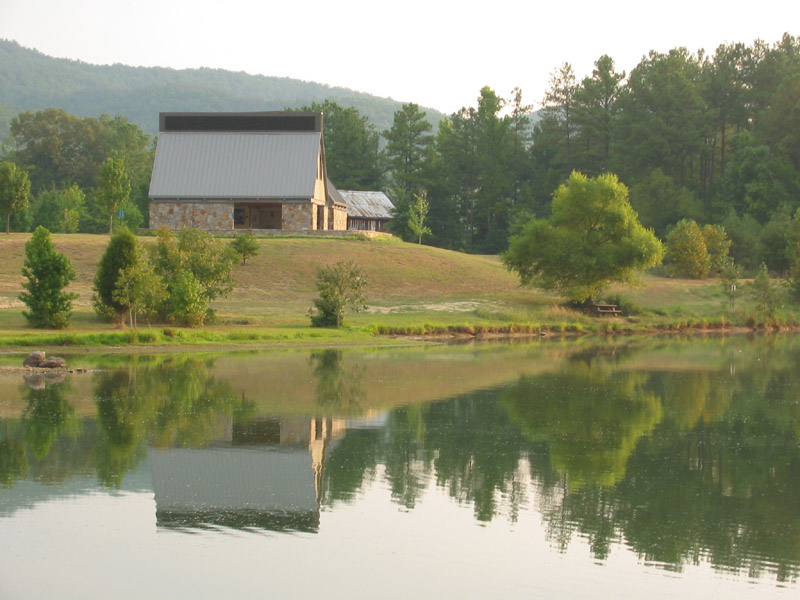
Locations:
{"points": [[409, 285]]}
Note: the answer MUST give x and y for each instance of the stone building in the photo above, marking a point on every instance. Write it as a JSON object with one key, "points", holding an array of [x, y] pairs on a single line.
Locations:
{"points": [[243, 171]]}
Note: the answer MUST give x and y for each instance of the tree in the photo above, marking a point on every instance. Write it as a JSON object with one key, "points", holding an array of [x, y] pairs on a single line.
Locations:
{"points": [[59, 210], [718, 246], [476, 147], [594, 112], [139, 288], [661, 113], [14, 190], [592, 239], [113, 188], [687, 254], [340, 285], [47, 272], [729, 279], [408, 152], [763, 293], [351, 147], [408, 146], [661, 203], [120, 254], [196, 269], [417, 212], [245, 245], [59, 149], [558, 108]]}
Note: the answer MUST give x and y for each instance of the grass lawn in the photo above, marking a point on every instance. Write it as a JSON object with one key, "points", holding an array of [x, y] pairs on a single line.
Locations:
{"points": [[412, 290]]}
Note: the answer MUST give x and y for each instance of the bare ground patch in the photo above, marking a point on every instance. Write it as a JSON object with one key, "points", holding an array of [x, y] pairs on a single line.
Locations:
{"points": [[465, 306]]}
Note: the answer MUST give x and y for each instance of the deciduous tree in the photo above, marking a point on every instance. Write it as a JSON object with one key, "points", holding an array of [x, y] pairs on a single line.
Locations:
{"points": [[592, 239], [196, 268], [14, 190], [687, 254], [113, 188], [417, 213], [245, 245]]}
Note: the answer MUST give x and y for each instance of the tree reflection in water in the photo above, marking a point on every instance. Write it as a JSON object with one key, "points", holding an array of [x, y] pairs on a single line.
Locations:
{"points": [[681, 465]]}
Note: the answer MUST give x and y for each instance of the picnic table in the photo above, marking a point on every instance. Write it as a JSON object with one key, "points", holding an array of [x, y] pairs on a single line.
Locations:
{"points": [[608, 309]]}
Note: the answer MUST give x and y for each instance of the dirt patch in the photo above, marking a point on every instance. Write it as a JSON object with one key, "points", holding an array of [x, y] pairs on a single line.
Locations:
{"points": [[453, 307]]}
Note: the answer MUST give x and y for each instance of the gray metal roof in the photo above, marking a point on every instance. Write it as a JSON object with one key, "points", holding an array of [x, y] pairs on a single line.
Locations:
{"points": [[367, 205], [235, 165]]}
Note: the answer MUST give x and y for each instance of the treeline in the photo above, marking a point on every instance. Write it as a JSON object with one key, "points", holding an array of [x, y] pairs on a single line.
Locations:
{"points": [[63, 157], [713, 138]]}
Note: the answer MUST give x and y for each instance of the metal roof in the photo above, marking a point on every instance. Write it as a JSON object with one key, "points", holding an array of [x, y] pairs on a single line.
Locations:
{"points": [[235, 165], [367, 205], [333, 194]]}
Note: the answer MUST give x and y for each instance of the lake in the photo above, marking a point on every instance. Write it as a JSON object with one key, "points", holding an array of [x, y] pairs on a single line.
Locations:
{"points": [[549, 469]]}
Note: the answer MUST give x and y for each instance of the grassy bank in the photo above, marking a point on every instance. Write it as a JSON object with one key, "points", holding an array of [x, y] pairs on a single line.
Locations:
{"points": [[413, 291]]}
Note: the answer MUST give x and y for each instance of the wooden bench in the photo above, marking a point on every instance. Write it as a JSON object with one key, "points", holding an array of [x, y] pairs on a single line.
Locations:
{"points": [[607, 309]]}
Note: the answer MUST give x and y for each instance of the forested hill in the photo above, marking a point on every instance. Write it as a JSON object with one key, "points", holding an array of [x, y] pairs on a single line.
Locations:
{"points": [[30, 80]]}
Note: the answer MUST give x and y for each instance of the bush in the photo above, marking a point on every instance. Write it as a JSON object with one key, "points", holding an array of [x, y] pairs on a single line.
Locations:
{"points": [[47, 272], [340, 286]]}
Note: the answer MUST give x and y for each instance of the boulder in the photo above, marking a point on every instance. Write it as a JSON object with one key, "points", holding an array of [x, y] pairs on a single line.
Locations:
{"points": [[54, 362], [34, 359]]}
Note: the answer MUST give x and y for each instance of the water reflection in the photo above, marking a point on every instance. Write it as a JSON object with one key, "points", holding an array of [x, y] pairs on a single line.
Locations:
{"points": [[683, 453], [256, 476]]}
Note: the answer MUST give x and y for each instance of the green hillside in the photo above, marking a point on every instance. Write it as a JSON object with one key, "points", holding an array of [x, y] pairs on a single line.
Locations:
{"points": [[276, 287], [30, 80], [411, 289]]}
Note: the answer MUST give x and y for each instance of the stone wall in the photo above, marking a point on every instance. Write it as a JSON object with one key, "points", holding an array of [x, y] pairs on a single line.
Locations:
{"points": [[192, 215], [299, 217]]}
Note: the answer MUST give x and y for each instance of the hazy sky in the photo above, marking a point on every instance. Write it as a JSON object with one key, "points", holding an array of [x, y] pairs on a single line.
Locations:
{"points": [[435, 53]]}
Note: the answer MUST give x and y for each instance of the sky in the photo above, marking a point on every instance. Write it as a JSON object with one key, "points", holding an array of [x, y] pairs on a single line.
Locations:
{"points": [[436, 53]]}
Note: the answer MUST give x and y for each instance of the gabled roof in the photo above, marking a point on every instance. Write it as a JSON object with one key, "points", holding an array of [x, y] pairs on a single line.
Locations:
{"points": [[367, 205], [235, 165], [237, 155]]}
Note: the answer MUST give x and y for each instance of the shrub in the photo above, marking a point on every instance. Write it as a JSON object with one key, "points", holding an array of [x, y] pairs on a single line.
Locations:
{"points": [[339, 286]]}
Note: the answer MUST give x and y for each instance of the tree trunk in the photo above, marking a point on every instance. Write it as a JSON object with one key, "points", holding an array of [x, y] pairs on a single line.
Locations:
{"points": [[111, 224], [8, 223]]}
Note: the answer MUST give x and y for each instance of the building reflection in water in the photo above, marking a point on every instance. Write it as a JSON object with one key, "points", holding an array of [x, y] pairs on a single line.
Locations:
{"points": [[263, 474]]}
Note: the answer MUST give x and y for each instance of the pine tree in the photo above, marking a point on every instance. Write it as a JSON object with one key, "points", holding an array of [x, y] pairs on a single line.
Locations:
{"points": [[47, 272]]}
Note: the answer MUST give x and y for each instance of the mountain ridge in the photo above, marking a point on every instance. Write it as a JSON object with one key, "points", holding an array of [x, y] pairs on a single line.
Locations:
{"points": [[32, 80]]}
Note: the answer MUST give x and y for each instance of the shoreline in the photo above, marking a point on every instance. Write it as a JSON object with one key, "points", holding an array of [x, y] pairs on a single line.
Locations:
{"points": [[377, 341]]}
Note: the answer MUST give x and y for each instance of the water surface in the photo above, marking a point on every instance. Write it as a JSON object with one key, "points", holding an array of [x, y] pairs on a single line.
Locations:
{"points": [[646, 468]]}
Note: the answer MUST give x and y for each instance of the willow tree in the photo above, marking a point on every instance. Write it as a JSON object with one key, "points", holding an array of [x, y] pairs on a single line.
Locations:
{"points": [[592, 239]]}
